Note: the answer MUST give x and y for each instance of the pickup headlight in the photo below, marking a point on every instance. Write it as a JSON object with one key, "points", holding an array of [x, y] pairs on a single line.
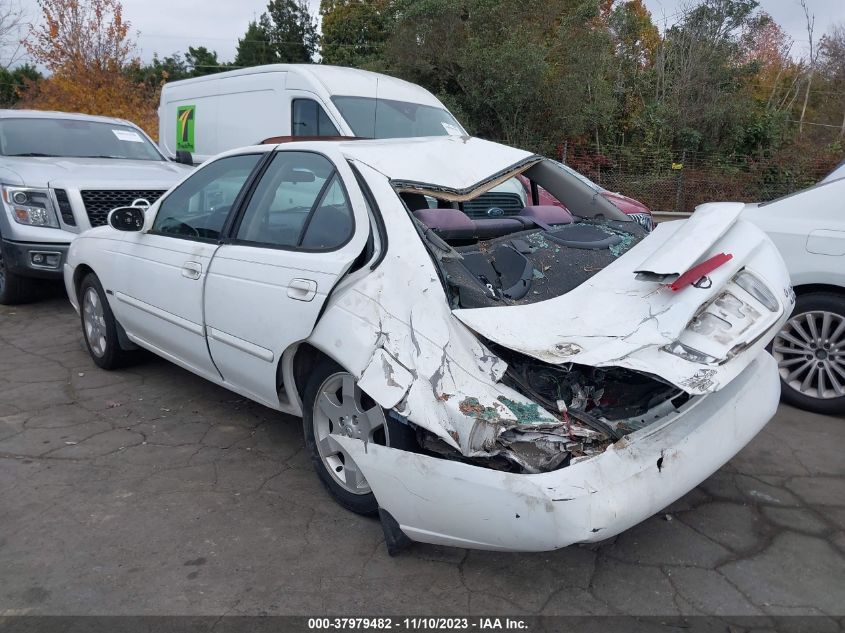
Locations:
{"points": [[32, 207]]}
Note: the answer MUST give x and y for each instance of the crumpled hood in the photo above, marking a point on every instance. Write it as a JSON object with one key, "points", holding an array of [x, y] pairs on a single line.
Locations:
{"points": [[615, 319], [95, 172], [420, 161]]}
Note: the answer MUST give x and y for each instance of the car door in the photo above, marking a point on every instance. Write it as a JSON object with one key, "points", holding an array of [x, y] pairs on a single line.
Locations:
{"points": [[161, 272], [304, 224]]}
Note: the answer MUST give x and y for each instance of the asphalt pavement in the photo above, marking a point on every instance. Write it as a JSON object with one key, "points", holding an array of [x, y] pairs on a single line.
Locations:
{"points": [[151, 491]]}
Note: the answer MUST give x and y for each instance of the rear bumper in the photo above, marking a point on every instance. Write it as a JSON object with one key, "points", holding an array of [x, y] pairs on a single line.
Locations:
{"points": [[22, 258], [451, 503]]}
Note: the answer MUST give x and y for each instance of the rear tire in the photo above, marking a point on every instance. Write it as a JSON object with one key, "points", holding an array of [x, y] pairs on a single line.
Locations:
{"points": [[99, 328], [810, 351], [333, 404]]}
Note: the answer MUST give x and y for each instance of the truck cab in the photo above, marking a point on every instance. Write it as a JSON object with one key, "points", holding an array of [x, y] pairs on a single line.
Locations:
{"points": [[61, 174]]}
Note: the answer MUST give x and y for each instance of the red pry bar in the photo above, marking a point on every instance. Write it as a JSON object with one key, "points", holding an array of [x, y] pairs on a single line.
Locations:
{"points": [[697, 272]]}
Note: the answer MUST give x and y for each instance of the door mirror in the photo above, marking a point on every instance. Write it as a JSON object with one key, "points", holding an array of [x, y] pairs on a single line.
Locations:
{"points": [[184, 157], [127, 218]]}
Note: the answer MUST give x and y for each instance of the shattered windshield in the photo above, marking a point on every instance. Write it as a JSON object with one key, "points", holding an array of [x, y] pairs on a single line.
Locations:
{"points": [[386, 118], [499, 248]]}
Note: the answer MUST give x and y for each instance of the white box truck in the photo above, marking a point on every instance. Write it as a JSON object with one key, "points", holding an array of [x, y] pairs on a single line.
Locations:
{"points": [[214, 113]]}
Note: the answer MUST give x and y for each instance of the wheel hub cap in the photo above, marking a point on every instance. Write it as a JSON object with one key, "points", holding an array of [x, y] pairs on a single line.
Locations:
{"points": [[94, 322], [339, 410], [810, 351]]}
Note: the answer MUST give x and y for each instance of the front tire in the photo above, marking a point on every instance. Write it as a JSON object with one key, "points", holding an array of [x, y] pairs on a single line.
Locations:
{"points": [[333, 404], [99, 327], [810, 351], [14, 289]]}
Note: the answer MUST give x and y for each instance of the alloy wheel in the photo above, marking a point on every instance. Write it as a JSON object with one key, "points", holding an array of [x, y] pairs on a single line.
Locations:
{"points": [[341, 408], [94, 320], [810, 352]]}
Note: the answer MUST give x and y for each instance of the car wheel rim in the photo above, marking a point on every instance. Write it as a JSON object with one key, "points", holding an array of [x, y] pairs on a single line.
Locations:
{"points": [[341, 408], [94, 321], [810, 351]]}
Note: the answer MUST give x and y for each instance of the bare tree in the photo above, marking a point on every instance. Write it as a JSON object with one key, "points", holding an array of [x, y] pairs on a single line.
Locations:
{"points": [[811, 23], [12, 22]]}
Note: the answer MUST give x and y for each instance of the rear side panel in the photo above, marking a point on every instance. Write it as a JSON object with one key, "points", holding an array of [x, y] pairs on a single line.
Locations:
{"points": [[212, 115]]}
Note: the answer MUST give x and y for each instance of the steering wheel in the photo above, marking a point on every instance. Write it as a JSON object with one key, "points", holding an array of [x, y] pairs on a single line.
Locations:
{"points": [[182, 226]]}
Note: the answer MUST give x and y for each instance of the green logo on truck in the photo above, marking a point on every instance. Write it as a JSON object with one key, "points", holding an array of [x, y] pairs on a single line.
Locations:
{"points": [[185, 120]]}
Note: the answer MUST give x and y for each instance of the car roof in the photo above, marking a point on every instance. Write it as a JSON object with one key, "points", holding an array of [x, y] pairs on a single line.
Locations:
{"points": [[55, 114], [455, 163], [337, 80], [430, 160]]}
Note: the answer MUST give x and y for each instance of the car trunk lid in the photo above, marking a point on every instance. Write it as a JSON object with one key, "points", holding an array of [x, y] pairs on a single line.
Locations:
{"points": [[626, 315]]}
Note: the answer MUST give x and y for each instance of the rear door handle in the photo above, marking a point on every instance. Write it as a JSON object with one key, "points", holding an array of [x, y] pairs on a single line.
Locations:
{"points": [[192, 270], [302, 289]]}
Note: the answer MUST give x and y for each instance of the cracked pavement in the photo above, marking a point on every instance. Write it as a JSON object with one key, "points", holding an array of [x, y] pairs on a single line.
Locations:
{"points": [[149, 491]]}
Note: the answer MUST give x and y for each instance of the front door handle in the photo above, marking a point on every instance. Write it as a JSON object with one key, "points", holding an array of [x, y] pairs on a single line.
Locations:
{"points": [[192, 270], [302, 289]]}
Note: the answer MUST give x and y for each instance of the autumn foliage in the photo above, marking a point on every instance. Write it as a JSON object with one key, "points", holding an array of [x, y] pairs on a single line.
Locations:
{"points": [[86, 46]]}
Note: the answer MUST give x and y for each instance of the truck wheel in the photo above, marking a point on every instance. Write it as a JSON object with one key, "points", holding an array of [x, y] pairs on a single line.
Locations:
{"points": [[99, 326], [810, 351], [13, 288], [333, 405]]}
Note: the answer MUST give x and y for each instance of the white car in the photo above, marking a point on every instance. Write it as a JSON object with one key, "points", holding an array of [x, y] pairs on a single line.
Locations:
{"points": [[837, 173], [517, 383], [808, 227], [60, 174]]}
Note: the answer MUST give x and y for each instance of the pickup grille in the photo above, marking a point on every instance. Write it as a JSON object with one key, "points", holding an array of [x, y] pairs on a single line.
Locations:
{"points": [[99, 203], [509, 203]]}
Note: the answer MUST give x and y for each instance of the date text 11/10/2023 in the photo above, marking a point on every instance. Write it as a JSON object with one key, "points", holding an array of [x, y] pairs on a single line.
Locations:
{"points": [[418, 623]]}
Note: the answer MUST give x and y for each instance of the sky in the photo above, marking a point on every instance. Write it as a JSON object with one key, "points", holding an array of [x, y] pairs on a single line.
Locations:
{"points": [[787, 13], [168, 26]]}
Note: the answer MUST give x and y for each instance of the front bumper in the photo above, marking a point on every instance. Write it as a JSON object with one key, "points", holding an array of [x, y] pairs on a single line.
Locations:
{"points": [[35, 259], [451, 503]]}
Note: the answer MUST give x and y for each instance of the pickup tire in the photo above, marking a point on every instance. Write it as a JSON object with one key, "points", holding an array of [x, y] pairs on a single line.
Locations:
{"points": [[810, 351], [99, 327], [333, 404], [14, 289]]}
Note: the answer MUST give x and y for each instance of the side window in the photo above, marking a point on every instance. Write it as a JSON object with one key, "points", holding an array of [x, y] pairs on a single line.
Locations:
{"points": [[300, 202], [309, 119], [199, 206]]}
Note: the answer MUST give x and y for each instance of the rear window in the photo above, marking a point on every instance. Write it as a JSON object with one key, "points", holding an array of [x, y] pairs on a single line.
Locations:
{"points": [[300, 203]]}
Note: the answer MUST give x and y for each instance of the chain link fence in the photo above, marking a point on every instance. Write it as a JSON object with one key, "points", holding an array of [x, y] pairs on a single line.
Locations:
{"points": [[681, 180]]}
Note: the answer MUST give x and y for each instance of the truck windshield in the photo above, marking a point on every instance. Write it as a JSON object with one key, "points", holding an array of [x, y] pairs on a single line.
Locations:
{"points": [[74, 138], [385, 118]]}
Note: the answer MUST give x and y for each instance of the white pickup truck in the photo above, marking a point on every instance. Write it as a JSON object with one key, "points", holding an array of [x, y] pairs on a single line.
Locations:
{"points": [[60, 174]]}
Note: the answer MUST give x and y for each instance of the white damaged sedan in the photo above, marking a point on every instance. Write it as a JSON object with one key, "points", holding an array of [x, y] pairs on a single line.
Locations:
{"points": [[516, 380]]}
